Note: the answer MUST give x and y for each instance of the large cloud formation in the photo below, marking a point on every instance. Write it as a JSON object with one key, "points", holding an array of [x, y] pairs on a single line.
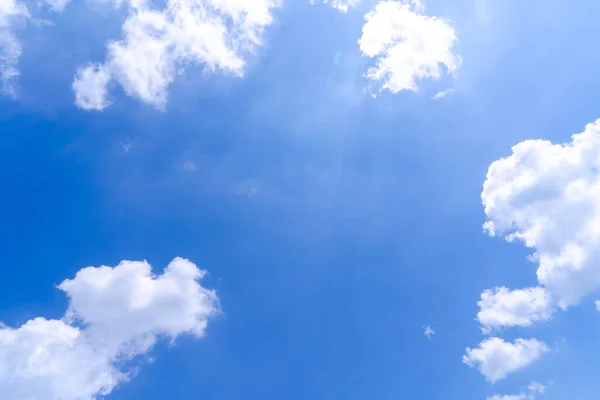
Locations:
{"points": [[407, 45], [547, 196], [158, 44], [114, 315]]}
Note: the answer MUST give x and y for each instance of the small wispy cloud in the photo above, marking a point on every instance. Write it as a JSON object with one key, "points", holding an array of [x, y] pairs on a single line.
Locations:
{"points": [[536, 387], [532, 391], [252, 192], [428, 331], [442, 94], [189, 166]]}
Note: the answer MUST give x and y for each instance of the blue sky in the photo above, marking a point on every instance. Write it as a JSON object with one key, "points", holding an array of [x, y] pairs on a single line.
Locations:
{"points": [[336, 218]]}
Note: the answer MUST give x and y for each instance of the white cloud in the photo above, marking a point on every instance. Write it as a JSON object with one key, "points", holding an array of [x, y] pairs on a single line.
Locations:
{"points": [[428, 331], [533, 389], [114, 315], [11, 14], [547, 196], [342, 5], [508, 397], [90, 87], [536, 388], [502, 307], [442, 94], [495, 358], [157, 46], [57, 5], [14, 15], [407, 45]]}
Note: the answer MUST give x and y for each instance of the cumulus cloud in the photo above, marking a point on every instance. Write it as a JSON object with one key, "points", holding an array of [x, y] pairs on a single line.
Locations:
{"points": [[501, 307], [114, 315], [407, 45], [547, 196], [90, 87], [158, 44], [343, 5], [495, 358]]}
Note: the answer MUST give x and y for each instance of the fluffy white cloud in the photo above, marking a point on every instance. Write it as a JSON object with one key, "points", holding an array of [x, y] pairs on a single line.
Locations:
{"points": [[90, 87], [547, 196], [407, 45], [343, 5], [495, 358], [502, 307], [114, 315], [157, 45], [11, 13]]}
